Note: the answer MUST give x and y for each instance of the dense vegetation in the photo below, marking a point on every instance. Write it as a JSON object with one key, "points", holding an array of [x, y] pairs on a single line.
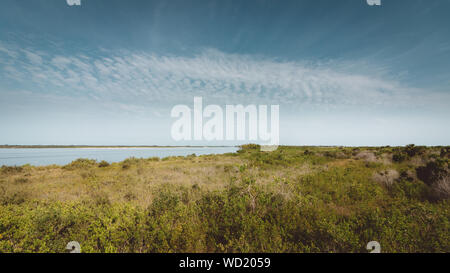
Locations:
{"points": [[296, 199]]}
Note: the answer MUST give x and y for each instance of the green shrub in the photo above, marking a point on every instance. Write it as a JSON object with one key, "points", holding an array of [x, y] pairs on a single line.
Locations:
{"points": [[250, 148], [355, 151], [399, 157], [11, 169], [412, 150], [103, 164], [410, 189], [437, 176], [433, 171], [407, 152], [132, 161], [81, 163]]}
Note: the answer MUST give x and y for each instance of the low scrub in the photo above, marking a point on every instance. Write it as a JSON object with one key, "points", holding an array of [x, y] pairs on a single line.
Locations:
{"points": [[11, 169], [295, 199], [243, 217], [103, 164], [433, 171], [81, 163]]}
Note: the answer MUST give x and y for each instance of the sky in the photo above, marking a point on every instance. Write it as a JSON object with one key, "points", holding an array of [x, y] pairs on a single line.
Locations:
{"points": [[108, 72]]}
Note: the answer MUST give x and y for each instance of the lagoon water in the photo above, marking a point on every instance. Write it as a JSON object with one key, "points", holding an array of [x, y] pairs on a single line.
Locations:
{"points": [[62, 156]]}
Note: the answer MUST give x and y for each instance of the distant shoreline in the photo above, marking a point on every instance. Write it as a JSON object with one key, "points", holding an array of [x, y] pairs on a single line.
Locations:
{"points": [[190, 146], [100, 146]]}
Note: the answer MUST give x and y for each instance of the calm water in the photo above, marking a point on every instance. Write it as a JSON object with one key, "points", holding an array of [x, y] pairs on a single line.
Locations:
{"points": [[62, 156]]}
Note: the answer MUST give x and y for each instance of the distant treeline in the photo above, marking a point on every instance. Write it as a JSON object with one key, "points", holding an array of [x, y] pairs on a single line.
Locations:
{"points": [[97, 146]]}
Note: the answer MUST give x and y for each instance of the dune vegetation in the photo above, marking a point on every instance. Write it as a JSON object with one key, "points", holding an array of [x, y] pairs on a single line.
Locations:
{"points": [[295, 199]]}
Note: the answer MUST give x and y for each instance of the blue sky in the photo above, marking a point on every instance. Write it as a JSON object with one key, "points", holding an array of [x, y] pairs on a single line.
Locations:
{"points": [[109, 71]]}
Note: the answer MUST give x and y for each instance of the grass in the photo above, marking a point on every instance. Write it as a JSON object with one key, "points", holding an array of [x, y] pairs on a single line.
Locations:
{"points": [[296, 199]]}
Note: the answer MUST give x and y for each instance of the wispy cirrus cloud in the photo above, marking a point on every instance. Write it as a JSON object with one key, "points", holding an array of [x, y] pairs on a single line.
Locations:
{"points": [[137, 79]]}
